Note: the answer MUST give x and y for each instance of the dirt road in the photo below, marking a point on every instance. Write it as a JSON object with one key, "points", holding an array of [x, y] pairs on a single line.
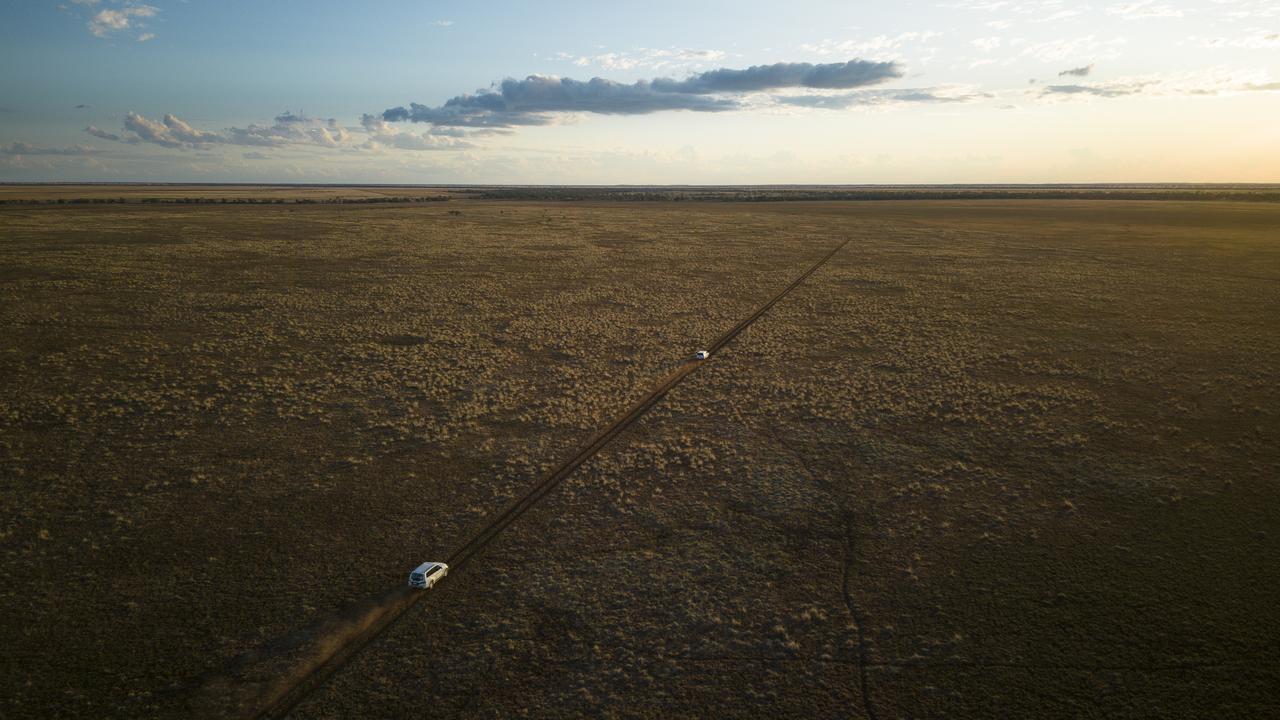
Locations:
{"points": [[269, 681]]}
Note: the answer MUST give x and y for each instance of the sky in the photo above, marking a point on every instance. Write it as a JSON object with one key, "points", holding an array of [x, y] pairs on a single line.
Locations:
{"points": [[382, 91]]}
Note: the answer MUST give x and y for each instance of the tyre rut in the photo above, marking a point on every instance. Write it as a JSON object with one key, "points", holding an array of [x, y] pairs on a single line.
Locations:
{"points": [[324, 647]]}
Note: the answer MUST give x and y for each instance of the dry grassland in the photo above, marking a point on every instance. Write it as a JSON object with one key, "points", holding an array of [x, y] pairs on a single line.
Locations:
{"points": [[994, 459]]}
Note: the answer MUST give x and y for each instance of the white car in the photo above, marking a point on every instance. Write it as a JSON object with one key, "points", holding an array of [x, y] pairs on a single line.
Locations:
{"points": [[701, 355], [427, 574]]}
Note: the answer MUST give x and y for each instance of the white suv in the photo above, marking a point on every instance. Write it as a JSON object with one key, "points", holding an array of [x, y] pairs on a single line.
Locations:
{"points": [[427, 574]]}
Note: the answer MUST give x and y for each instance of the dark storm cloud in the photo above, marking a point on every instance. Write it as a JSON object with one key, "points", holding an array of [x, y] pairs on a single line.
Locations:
{"points": [[1077, 72], [868, 98], [536, 99]]}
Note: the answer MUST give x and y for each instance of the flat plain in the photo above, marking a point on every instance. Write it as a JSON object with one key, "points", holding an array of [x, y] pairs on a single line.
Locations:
{"points": [[996, 458]]}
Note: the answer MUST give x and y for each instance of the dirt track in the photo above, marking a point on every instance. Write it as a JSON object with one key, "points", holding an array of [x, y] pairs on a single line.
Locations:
{"points": [[249, 688]]}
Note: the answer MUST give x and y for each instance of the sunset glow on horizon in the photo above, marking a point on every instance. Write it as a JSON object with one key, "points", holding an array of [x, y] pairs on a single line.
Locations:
{"points": [[953, 91]]}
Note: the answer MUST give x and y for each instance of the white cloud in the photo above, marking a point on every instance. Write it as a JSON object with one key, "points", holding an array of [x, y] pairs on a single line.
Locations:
{"points": [[1062, 15], [881, 98], [1088, 47], [99, 133], [146, 36], [1206, 83], [292, 129], [1254, 40], [107, 22], [1040, 11], [881, 47], [647, 58], [385, 135], [987, 44], [288, 129], [1248, 9], [171, 131], [19, 149], [1143, 9], [1052, 10]]}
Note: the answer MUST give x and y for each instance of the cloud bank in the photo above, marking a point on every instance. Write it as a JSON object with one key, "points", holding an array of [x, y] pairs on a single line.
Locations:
{"points": [[1108, 90], [383, 135], [288, 130], [537, 99], [174, 132], [19, 149], [1193, 84], [874, 98]]}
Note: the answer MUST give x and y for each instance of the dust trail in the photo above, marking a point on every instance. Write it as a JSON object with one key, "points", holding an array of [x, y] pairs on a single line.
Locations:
{"points": [[277, 674], [272, 680]]}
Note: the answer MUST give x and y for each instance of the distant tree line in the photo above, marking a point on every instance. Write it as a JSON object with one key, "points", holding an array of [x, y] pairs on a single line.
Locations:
{"points": [[223, 201], [799, 194], [728, 194]]}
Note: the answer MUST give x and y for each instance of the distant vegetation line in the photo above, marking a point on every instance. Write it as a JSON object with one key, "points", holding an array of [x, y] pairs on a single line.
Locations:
{"points": [[245, 195], [784, 195], [221, 201]]}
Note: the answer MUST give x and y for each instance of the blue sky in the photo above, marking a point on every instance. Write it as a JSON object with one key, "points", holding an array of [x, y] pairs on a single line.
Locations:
{"points": [[948, 91]]}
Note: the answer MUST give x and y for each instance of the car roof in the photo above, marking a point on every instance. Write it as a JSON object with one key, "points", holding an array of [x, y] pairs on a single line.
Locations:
{"points": [[426, 566]]}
